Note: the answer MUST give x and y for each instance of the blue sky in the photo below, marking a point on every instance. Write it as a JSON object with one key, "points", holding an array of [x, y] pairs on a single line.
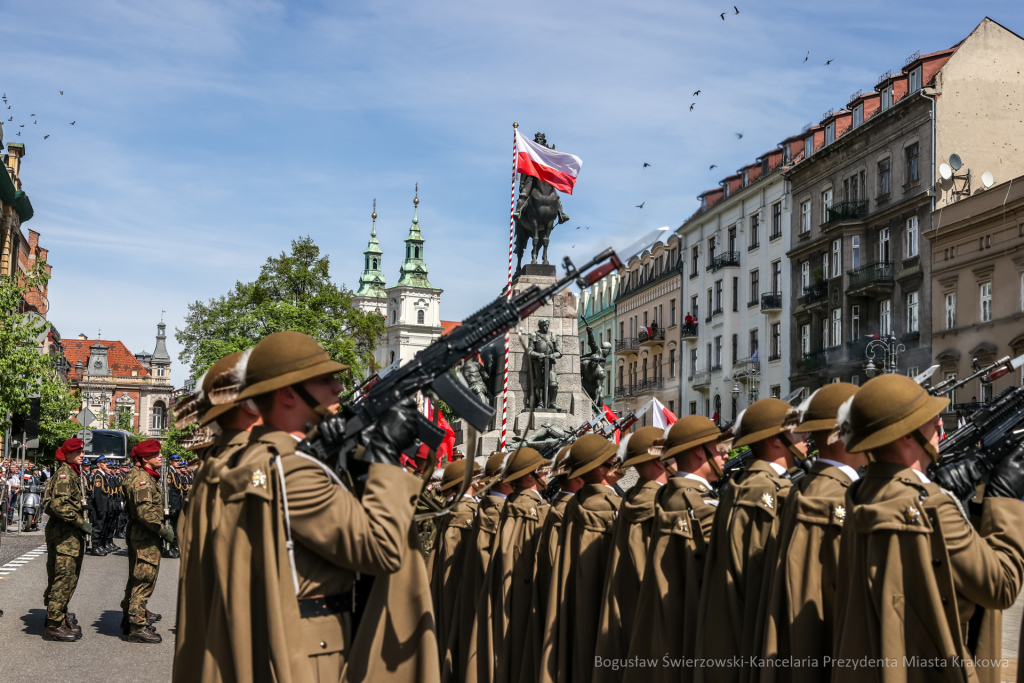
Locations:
{"points": [[208, 135]]}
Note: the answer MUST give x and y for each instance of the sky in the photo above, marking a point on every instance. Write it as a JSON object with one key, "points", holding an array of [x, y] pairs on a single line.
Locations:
{"points": [[209, 135]]}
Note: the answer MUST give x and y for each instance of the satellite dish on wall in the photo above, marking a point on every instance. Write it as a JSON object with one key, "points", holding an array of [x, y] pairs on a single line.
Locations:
{"points": [[987, 180], [955, 162], [945, 171]]}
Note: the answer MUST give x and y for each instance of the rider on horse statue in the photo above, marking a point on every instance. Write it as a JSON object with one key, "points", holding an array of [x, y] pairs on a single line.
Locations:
{"points": [[537, 209]]}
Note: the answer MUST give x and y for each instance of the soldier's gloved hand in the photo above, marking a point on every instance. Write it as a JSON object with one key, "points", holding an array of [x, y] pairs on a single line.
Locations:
{"points": [[86, 527], [330, 441], [167, 533], [959, 478], [1007, 479], [395, 431]]}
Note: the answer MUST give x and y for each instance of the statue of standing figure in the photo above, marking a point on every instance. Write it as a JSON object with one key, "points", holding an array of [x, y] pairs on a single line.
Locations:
{"points": [[543, 349], [592, 372], [537, 209], [476, 377]]}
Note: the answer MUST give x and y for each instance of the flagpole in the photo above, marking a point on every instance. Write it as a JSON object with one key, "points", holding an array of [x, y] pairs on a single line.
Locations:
{"points": [[508, 288]]}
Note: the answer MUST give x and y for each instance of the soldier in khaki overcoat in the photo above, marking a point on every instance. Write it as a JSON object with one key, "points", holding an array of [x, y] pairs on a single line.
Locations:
{"points": [[918, 585], [584, 542], [293, 539], [802, 582], [626, 562], [666, 612], [746, 527]]}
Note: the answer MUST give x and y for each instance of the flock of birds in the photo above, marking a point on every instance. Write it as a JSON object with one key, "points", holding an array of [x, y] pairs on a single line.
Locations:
{"points": [[739, 136], [35, 121]]}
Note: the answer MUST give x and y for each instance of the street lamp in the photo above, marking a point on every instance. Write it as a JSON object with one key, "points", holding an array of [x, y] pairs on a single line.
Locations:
{"points": [[887, 350]]}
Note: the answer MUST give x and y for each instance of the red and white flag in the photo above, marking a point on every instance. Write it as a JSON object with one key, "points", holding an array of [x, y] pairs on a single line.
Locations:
{"points": [[557, 168], [660, 415]]}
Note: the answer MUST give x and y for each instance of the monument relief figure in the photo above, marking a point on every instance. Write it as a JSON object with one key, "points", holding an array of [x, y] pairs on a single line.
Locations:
{"points": [[592, 372], [476, 377], [543, 349], [537, 209]]}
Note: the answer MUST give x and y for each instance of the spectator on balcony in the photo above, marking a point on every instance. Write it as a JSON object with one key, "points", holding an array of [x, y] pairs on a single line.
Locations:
{"points": [[689, 320]]}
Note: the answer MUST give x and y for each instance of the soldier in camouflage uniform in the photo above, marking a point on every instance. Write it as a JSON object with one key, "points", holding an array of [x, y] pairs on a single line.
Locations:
{"points": [[144, 503], [64, 502]]}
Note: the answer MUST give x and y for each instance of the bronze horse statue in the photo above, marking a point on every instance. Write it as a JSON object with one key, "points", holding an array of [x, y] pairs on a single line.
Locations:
{"points": [[537, 210]]}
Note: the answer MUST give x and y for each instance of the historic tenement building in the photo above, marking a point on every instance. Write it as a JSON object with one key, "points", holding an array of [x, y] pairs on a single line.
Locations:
{"points": [[112, 379], [864, 189], [977, 275], [732, 264]]}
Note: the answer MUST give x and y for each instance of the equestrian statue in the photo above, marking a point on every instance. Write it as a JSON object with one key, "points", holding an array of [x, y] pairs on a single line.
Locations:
{"points": [[537, 209]]}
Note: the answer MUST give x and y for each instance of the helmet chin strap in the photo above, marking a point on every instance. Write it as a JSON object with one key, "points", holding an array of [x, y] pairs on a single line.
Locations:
{"points": [[797, 453], [308, 399], [931, 450], [715, 467]]}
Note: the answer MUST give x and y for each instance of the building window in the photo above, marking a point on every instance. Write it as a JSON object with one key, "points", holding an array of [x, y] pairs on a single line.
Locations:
{"points": [[837, 326], [915, 80], [620, 375], [735, 348], [986, 302], [754, 230], [884, 178], [394, 316], [671, 362], [777, 277], [159, 415], [887, 96], [735, 294], [883, 245], [805, 339], [709, 363], [693, 308], [858, 115], [671, 312], [420, 317], [855, 250], [732, 238], [837, 257], [855, 380], [911, 245], [755, 286], [911, 153], [805, 275], [951, 377], [912, 315], [693, 407], [824, 333], [986, 391], [693, 362], [826, 204], [808, 145], [160, 372], [805, 217], [776, 391], [712, 246], [830, 133], [711, 308], [718, 296], [854, 323], [951, 311], [693, 260], [718, 353], [885, 317], [776, 220], [913, 371], [753, 344], [776, 340]]}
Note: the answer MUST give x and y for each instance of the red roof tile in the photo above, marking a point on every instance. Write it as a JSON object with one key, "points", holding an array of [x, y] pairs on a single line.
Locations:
{"points": [[450, 325], [120, 359]]}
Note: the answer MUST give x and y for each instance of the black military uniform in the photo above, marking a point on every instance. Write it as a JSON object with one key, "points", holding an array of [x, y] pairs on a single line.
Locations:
{"points": [[178, 483], [121, 527], [101, 508], [116, 508]]}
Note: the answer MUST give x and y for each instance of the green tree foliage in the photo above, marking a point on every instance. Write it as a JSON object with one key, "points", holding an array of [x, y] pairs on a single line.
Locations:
{"points": [[293, 292], [59, 401], [22, 367]]}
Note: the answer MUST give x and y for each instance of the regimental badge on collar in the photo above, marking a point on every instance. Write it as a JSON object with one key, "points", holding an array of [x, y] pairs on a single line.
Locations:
{"points": [[259, 479], [912, 515], [533, 512], [681, 525], [839, 512], [766, 498]]}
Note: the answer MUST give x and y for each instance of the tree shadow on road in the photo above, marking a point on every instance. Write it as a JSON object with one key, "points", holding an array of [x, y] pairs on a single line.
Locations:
{"points": [[34, 621], [109, 623]]}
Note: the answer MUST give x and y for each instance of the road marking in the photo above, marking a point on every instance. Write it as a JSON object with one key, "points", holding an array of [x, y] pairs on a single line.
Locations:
{"points": [[12, 566]]}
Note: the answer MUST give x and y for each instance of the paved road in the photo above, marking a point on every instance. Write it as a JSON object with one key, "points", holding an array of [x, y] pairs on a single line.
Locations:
{"points": [[102, 654]]}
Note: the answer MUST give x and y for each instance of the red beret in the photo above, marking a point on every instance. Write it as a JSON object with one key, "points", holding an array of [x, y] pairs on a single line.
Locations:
{"points": [[72, 445], [146, 448]]}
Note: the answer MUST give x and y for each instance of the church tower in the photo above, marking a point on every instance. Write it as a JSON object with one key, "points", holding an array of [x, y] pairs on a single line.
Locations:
{"points": [[371, 297], [413, 304]]}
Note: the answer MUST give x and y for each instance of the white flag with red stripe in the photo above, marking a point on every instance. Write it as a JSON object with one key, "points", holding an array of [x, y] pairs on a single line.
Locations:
{"points": [[660, 415], [557, 168]]}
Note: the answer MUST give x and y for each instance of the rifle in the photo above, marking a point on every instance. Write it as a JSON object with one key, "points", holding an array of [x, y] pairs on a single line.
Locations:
{"points": [[163, 490], [552, 450], [430, 368], [734, 466], [992, 434], [1001, 367]]}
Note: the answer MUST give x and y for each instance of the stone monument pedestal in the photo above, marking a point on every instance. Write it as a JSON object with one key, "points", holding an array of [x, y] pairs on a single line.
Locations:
{"points": [[575, 407]]}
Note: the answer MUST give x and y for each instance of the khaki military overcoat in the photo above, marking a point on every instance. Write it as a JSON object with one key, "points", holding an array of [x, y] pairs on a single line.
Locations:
{"points": [[574, 603], [913, 575], [625, 572], [745, 529], [447, 557], [802, 581], [666, 613]]}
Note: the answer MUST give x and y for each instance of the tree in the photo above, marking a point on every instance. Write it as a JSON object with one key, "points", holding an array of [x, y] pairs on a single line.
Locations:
{"points": [[293, 292], [57, 404], [22, 366]]}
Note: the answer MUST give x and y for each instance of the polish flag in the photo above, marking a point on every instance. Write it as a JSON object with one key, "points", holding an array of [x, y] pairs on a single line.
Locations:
{"points": [[660, 415], [611, 417], [557, 168]]}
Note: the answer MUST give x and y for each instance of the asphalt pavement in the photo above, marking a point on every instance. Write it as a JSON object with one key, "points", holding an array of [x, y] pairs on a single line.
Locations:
{"points": [[103, 654]]}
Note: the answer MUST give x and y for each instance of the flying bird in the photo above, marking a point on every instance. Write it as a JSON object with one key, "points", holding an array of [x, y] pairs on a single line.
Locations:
{"points": [[641, 205], [31, 114], [11, 119], [807, 57], [696, 93], [73, 122], [713, 166], [739, 135], [723, 16], [21, 126], [577, 227], [646, 164], [691, 106], [61, 92], [736, 8], [35, 122], [45, 136], [19, 132], [828, 62]]}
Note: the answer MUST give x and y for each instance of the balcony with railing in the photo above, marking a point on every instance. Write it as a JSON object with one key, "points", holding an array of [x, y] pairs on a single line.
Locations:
{"points": [[726, 259], [688, 331], [771, 301], [626, 345], [746, 367], [816, 294], [847, 211], [650, 384], [874, 278], [656, 335], [812, 362], [625, 391], [701, 380]]}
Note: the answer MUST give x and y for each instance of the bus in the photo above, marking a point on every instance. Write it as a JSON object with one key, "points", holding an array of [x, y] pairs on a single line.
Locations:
{"points": [[113, 443]]}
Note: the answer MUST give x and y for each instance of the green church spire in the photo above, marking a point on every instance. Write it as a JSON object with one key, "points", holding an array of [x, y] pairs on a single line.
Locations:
{"points": [[414, 268], [371, 282]]}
